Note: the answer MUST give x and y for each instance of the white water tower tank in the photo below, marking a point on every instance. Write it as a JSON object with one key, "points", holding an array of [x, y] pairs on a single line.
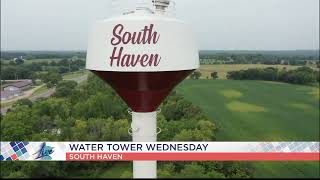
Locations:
{"points": [[142, 52]]}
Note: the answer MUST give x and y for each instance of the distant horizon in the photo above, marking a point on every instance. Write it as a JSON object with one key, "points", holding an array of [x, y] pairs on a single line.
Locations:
{"points": [[71, 50]]}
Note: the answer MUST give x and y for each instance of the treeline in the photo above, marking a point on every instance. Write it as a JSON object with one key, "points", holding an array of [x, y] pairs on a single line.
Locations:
{"points": [[22, 70], [9, 55], [302, 75], [94, 112], [258, 59]]}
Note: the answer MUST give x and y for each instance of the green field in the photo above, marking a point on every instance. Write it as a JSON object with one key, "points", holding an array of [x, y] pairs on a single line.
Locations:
{"points": [[223, 69], [261, 111]]}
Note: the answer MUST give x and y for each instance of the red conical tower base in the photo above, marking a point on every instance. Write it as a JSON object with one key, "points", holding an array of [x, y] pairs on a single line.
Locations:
{"points": [[143, 91]]}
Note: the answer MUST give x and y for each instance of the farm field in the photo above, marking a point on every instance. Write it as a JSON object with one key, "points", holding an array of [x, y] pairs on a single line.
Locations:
{"points": [[223, 69], [260, 111]]}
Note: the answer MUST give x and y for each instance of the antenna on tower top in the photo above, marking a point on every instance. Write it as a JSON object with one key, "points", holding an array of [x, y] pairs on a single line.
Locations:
{"points": [[160, 7], [161, 4]]}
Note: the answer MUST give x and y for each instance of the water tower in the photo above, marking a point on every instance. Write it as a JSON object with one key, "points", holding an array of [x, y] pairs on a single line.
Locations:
{"points": [[143, 52]]}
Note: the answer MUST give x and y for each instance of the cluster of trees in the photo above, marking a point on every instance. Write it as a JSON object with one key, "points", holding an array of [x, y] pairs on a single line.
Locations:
{"points": [[14, 70], [50, 78], [214, 75], [206, 169], [93, 112], [302, 75], [247, 57], [196, 75]]}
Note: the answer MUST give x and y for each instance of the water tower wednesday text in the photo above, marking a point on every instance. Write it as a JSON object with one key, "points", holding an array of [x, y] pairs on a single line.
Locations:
{"points": [[138, 147]]}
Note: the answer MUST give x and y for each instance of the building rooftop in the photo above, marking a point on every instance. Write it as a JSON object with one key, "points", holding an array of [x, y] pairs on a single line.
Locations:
{"points": [[8, 94], [19, 84]]}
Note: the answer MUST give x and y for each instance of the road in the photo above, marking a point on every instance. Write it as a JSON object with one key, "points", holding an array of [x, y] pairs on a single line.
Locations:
{"points": [[48, 93]]}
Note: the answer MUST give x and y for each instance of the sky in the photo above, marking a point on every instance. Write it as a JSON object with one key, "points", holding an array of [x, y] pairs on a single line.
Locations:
{"points": [[218, 24]]}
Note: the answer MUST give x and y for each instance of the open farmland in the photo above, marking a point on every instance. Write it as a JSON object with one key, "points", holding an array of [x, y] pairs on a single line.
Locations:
{"points": [[261, 111]]}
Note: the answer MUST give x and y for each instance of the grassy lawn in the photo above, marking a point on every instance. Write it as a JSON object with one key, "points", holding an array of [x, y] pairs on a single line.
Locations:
{"points": [[73, 75], [222, 69], [261, 111], [40, 90]]}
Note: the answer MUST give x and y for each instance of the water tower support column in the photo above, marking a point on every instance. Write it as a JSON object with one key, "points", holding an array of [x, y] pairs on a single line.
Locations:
{"points": [[144, 129]]}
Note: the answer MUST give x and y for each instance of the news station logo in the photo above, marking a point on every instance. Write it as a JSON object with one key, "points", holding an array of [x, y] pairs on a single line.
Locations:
{"points": [[44, 152], [23, 151]]}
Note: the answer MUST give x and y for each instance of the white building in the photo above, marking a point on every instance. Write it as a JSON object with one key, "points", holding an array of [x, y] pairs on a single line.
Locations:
{"points": [[7, 95]]}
